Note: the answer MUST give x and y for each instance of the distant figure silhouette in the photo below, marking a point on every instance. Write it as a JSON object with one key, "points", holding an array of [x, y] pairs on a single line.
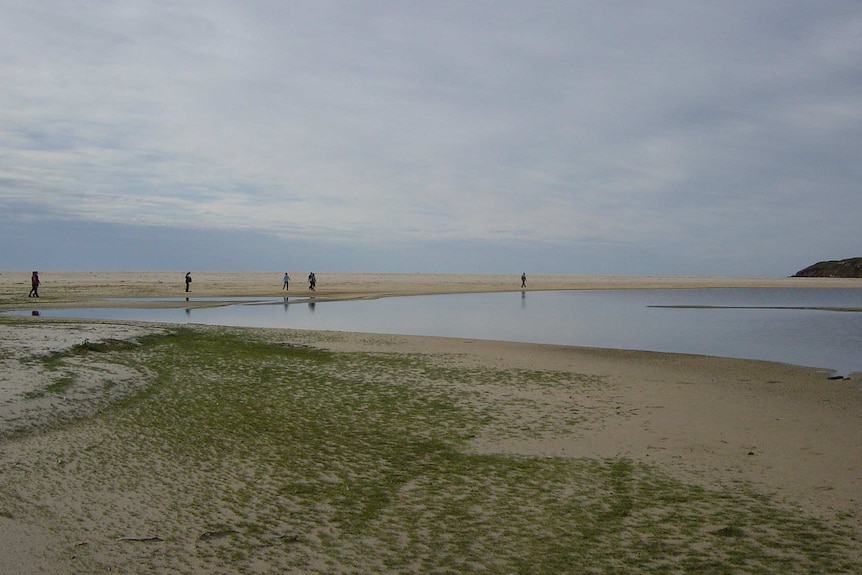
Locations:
{"points": [[286, 281], [188, 281], [312, 281], [524, 280], [34, 285]]}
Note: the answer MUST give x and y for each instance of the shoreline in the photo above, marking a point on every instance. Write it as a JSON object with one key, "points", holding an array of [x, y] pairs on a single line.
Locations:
{"points": [[166, 290], [78, 289]]}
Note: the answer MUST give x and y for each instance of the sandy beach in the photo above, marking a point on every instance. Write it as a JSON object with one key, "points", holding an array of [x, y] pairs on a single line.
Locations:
{"points": [[784, 432], [78, 288]]}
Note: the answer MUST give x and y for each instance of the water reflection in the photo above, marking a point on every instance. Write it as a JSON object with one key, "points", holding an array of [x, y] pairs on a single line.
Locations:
{"points": [[748, 326]]}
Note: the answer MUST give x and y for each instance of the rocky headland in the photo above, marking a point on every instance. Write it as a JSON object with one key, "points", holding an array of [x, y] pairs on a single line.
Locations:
{"points": [[849, 268]]}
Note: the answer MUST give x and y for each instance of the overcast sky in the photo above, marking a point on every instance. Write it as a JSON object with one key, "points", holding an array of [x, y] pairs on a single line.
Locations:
{"points": [[661, 137]]}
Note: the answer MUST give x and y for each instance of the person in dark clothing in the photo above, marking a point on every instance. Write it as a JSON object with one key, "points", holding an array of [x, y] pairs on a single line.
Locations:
{"points": [[188, 281], [524, 280], [34, 285]]}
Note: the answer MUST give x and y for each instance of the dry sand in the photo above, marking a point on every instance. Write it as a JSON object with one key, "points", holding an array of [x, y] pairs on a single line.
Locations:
{"points": [[717, 422], [87, 288]]}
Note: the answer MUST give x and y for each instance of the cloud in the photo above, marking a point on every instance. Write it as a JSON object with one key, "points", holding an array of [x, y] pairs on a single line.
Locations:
{"points": [[691, 131]]}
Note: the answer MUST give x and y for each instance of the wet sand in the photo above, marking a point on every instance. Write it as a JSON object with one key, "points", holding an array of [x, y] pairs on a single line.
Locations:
{"points": [[716, 422]]}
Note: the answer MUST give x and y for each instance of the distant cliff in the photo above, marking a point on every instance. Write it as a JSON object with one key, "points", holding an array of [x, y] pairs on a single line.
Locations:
{"points": [[850, 268]]}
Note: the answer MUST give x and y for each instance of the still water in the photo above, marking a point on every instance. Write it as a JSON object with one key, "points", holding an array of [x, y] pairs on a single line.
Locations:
{"points": [[784, 325]]}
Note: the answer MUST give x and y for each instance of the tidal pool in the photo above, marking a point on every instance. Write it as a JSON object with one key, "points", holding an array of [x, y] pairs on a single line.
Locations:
{"points": [[812, 327]]}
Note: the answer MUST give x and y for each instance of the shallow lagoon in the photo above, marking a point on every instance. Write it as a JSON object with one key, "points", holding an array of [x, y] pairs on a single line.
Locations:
{"points": [[798, 326]]}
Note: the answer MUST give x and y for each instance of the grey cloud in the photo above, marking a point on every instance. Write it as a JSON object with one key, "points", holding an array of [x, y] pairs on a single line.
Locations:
{"points": [[681, 129]]}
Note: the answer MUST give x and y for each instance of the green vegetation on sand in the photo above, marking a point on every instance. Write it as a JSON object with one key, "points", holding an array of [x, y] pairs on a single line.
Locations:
{"points": [[256, 452]]}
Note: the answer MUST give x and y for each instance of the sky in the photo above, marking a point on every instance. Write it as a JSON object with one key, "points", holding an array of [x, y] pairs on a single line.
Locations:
{"points": [[471, 136]]}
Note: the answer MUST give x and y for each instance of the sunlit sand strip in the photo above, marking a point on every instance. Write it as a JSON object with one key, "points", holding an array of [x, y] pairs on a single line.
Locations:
{"points": [[70, 288]]}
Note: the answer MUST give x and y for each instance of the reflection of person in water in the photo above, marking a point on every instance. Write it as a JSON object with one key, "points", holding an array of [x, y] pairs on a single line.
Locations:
{"points": [[524, 280]]}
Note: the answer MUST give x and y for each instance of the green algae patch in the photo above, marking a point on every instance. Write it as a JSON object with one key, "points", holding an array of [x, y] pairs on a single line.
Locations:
{"points": [[255, 451]]}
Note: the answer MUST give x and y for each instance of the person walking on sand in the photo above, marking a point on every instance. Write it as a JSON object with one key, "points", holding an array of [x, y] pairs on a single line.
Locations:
{"points": [[188, 281], [524, 280], [286, 281], [312, 281], [34, 285]]}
